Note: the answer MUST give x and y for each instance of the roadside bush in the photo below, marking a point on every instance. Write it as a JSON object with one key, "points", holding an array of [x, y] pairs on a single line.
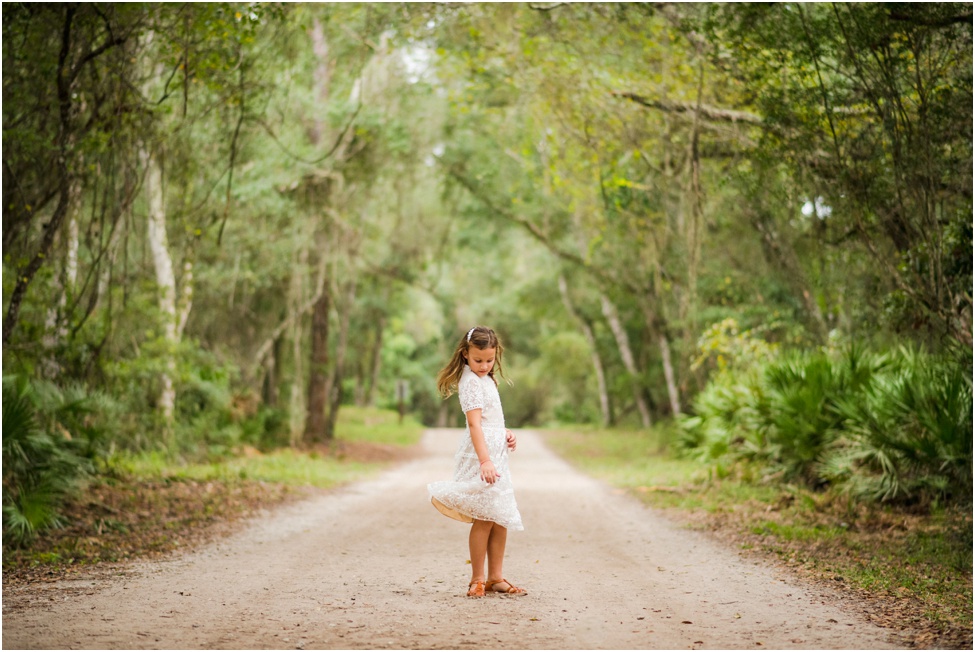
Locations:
{"points": [[800, 414], [52, 440], [881, 426], [910, 433]]}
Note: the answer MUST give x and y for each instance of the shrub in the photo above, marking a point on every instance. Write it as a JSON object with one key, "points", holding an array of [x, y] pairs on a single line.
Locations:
{"points": [[800, 415], [881, 426], [909, 433], [51, 442]]}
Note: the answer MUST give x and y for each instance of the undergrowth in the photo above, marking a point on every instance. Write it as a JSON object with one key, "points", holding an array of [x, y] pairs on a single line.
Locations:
{"points": [[142, 504]]}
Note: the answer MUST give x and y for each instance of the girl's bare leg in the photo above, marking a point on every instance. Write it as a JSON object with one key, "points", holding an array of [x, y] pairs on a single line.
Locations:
{"points": [[478, 542], [495, 551]]}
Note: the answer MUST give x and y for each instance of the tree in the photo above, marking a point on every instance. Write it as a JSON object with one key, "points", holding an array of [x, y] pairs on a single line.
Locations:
{"points": [[868, 107]]}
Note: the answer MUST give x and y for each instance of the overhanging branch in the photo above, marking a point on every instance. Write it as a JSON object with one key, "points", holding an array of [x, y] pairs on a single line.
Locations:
{"points": [[712, 113], [532, 228]]}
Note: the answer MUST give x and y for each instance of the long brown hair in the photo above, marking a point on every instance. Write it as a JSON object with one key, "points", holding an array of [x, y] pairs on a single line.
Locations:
{"points": [[480, 337]]}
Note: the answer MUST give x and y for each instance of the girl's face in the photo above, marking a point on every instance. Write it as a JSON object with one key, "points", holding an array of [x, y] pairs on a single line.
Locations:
{"points": [[481, 361]]}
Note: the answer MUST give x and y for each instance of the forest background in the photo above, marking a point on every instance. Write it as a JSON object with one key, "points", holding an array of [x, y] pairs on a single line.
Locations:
{"points": [[746, 227]]}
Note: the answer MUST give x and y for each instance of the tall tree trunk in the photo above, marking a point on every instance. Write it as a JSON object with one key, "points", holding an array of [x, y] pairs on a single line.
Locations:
{"points": [[185, 297], [672, 391], [338, 370], [55, 326], [272, 373], [315, 424], [377, 361], [165, 278], [623, 343], [71, 259], [695, 223], [656, 325], [597, 361]]}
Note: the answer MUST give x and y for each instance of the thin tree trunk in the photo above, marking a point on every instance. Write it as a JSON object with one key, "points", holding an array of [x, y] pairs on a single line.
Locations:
{"points": [[623, 343], [165, 278], [657, 325], [71, 261], [185, 298], [672, 391], [55, 326], [269, 386], [270, 394], [377, 361], [597, 361], [296, 405], [315, 425], [694, 230], [338, 370]]}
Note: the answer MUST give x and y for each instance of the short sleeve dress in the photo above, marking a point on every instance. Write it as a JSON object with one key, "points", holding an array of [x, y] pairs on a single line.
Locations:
{"points": [[467, 497]]}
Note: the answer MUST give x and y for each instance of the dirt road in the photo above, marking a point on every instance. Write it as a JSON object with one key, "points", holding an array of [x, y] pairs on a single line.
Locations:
{"points": [[375, 566]]}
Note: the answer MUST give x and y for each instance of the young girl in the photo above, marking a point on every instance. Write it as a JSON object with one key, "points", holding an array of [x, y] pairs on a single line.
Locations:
{"points": [[481, 491]]}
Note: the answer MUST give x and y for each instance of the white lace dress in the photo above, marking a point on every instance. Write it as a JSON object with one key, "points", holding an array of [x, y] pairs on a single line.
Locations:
{"points": [[467, 497]]}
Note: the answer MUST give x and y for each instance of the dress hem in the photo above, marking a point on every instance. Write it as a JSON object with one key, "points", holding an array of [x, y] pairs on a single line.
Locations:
{"points": [[457, 515]]}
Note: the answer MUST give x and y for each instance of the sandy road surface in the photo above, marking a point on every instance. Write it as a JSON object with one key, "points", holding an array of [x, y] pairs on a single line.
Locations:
{"points": [[375, 566]]}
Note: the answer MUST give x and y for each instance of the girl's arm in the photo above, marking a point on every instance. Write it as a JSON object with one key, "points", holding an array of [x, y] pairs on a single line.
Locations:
{"points": [[488, 473]]}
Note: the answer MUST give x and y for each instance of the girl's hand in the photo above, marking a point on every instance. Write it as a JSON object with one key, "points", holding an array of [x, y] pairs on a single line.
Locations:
{"points": [[488, 473], [512, 441]]}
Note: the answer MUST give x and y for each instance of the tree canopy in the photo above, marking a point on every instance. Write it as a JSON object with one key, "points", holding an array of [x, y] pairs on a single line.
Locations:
{"points": [[222, 215]]}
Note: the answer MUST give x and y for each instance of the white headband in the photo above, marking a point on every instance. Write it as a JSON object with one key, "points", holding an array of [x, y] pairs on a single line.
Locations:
{"points": [[469, 334]]}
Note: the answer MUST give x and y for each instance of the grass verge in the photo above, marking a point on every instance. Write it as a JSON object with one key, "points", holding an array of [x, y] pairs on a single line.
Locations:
{"points": [[914, 570], [147, 505]]}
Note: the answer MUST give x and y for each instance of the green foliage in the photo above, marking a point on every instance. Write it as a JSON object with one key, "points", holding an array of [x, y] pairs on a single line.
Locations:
{"points": [[377, 426], [867, 107], [909, 432], [52, 440], [281, 464], [882, 426], [431, 166]]}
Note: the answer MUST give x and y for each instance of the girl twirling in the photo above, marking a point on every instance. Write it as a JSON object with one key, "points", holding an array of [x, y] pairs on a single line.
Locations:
{"points": [[481, 492]]}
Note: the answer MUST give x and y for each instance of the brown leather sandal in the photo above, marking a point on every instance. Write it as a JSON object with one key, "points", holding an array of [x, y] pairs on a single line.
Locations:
{"points": [[512, 589], [476, 589]]}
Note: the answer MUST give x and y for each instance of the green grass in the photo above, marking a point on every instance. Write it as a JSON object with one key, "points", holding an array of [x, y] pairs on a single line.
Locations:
{"points": [[285, 466], [289, 466], [600, 453], [638, 460], [919, 562], [377, 426], [150, 504]]}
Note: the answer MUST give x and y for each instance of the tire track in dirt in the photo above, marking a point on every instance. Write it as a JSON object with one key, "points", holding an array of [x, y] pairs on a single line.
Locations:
{"points": [[375, 566]]}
